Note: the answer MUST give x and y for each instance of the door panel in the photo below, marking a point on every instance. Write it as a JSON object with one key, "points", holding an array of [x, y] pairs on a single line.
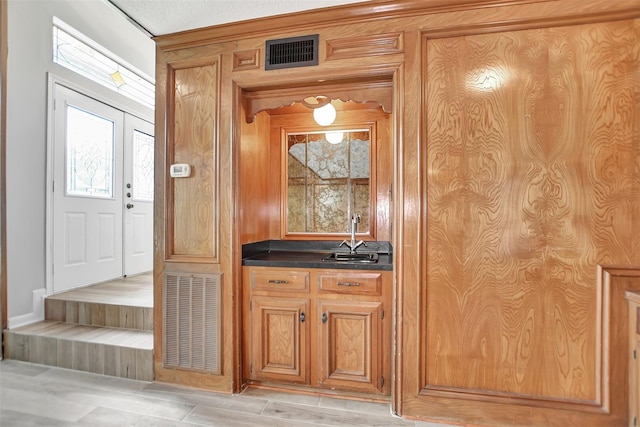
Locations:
{"points": [[279, 333], [350, 344], [87, 197]]}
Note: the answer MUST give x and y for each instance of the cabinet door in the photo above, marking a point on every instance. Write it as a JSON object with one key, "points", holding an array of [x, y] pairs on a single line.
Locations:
{"points": [[279, 331], [351, 345]]}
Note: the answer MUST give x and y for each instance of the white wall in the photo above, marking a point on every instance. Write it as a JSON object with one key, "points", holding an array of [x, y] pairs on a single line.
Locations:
{"points": [[29, 62]]}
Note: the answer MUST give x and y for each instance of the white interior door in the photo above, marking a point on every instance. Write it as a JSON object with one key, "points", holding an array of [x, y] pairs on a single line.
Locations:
{"points": [[138, 195], [87, 191]]}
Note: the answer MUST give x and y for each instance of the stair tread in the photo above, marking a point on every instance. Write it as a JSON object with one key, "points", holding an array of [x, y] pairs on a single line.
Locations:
{"points": [[136, 291], [131, 338]]}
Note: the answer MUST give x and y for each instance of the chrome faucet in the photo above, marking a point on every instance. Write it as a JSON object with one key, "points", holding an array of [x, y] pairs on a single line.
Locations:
{"points": [[355, 220]]}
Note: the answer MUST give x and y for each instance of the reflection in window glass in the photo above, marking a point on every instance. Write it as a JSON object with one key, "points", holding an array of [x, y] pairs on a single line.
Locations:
{"points": [[327, 182], [89, 154], [142, 166]]}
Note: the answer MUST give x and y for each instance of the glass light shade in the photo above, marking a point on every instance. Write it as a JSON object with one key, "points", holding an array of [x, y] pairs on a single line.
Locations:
{"points": [[325, 115], [334, 137]]}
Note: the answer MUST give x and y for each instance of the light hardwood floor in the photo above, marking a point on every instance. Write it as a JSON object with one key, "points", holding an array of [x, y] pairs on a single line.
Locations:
{"points": [[36, 395], [132, 291]]}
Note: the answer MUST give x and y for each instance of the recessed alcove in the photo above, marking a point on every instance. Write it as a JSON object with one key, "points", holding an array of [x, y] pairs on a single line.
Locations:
{"points": [[270, 115]]}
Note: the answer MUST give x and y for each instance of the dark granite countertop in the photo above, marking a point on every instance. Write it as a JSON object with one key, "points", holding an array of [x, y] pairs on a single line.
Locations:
{"points": [[309, 254]]}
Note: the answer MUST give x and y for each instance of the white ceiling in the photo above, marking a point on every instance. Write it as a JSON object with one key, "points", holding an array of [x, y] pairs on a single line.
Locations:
{"points": [[160, 17]]}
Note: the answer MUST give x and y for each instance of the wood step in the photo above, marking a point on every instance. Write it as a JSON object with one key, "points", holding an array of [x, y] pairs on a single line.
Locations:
{"points": [[110, 351], [98, 314], [121, 303]]}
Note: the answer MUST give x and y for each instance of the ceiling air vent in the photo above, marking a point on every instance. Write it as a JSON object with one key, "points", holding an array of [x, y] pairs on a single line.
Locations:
{"points": [[291, 52]]}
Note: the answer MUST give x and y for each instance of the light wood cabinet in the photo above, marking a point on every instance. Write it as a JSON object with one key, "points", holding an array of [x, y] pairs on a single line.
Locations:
{"points": [[280, 335], [321, 328], [351, 345]]}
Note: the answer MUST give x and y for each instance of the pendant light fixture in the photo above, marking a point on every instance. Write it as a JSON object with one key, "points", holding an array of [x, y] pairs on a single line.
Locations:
{"points": [[324, 113]]}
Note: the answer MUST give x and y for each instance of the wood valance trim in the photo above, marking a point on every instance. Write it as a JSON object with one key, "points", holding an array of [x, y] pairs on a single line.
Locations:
{"points": [[380, 91]]}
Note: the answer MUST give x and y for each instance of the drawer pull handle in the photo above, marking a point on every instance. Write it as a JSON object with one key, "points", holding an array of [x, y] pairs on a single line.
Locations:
{"points": [[348, 284], [279, 282]]}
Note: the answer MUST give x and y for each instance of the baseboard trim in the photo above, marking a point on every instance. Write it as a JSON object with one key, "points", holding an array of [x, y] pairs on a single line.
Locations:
{"points": [[36, 315]]}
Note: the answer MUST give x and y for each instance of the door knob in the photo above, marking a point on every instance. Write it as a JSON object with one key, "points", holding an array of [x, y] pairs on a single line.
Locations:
{"points": [[129, 205]]}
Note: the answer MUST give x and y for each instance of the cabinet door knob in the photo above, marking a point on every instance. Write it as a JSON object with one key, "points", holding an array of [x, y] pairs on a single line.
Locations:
{"points": [[302, 317], [324, 317]]}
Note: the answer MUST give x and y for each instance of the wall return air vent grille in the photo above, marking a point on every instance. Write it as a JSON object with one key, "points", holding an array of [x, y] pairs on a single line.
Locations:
{"points": [[192, 322], [291, 52]]}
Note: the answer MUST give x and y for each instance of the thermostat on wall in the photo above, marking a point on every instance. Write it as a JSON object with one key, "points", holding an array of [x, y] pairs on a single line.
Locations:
{"points": [[180, 170]]}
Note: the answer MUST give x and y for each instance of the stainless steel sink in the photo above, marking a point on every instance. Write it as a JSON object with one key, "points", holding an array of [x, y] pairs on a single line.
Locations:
{"points": [[349, 257]]}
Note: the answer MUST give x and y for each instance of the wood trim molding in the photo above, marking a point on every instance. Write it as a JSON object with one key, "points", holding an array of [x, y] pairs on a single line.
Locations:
{"points": [[379, 91], [370, 11], [246, 60], [537, 23], [375, 45]]}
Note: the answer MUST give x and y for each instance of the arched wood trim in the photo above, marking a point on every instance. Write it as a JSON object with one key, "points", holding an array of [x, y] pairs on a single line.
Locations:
{"points": [[380, 91]]}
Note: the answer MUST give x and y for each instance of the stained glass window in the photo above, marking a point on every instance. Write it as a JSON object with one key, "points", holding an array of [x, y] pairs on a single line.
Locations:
{"points": [[89, 154], [100, 65], [142, 166]]}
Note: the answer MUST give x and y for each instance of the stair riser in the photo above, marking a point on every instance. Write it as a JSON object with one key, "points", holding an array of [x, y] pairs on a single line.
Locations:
{"points": [[98, 358], [96, 314]]}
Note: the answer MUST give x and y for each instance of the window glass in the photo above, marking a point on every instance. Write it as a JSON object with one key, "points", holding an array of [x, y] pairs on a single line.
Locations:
{"points": [[89, 154], [327, 181], [142, 166], [101, 66]]}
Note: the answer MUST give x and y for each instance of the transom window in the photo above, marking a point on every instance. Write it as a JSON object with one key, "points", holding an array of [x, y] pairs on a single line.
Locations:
{"points": [[98, 64]]}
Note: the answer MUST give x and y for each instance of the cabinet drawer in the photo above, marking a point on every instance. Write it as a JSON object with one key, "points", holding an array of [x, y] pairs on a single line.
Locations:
{"points": [[351, 283], [270, 279]]}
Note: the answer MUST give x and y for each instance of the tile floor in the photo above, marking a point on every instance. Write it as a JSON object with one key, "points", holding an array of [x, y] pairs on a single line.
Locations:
{"points": [[37, 395]]}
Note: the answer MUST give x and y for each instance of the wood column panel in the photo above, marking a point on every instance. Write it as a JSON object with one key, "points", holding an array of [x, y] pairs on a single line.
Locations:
{"points": [[532, 183], [192, 209]]}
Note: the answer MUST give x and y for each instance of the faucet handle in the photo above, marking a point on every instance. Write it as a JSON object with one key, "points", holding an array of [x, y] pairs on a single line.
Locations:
{"points": [[357, 245], [355, 218]]}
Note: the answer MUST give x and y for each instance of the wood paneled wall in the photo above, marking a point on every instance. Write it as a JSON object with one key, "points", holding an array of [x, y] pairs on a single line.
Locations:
{"points": [[532, 183], [532, 187], [193, 201], [192, 216], [515, 159]]}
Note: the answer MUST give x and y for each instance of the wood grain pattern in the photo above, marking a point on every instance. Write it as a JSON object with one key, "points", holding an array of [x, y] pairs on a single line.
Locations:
{"points": [[255, 174], [350, 351], [531, 180], [370, 45], [194, 218], [362, 90], [246, 60], [351, 345], [530, 222], [280, 340], [348, 14]]}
